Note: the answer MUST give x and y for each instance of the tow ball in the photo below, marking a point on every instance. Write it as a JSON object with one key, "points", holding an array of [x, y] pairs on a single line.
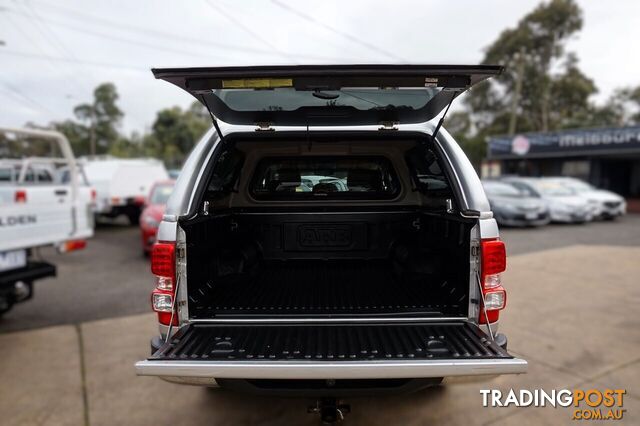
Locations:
{"points": [[330, 410]]}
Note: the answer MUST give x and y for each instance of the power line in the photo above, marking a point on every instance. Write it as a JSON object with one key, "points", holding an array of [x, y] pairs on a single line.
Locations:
{"points": [[249, 31], [150, 31], [54, 40], [74, 61], [8, 88], [171, 37], [28, 36], [174, 38], [113, 37], [348, 36]]}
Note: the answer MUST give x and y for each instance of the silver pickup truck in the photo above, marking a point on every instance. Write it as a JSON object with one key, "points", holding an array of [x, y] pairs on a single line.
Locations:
{"points": [[328, 237]]}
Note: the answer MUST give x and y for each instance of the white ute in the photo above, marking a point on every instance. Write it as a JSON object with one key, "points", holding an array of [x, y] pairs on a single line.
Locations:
{"points": [[329, 238], [122, 185], [37, 208]]}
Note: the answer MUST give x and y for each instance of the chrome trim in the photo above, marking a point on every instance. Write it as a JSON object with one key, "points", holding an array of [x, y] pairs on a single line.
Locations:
{"points": [[350, 212], [170, 218], [330, 370], [489, 229], [473, 309], [480, 215], [182, 296], [324, 320]]}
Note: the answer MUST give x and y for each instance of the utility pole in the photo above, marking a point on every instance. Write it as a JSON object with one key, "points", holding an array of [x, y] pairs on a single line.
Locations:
{"points": [[515, 98], [92, 131]]}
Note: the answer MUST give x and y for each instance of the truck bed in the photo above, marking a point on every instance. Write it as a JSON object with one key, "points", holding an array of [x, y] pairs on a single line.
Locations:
{"points": [[324, 288]]}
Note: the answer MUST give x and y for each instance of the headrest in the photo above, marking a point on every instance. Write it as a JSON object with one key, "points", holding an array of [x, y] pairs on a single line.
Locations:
{"points": [[325, 187], [285, 180], [364, 180]]}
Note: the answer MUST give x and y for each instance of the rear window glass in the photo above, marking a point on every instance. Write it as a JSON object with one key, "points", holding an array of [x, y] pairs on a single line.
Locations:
{"points": [[324, 178], [426, 173], [288, 99]]}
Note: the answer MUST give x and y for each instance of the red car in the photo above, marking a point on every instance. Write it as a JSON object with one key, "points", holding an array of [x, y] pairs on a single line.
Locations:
{"points": [[152, 214]]}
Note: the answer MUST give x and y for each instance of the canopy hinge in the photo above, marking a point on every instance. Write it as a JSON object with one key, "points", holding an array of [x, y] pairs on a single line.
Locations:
{"points": [[264, 126], [388, 125]]}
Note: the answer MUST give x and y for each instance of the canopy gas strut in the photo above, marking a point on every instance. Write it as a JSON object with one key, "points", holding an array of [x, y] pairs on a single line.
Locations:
{"points": [[213, 118], [330, 410], [454, 94]]}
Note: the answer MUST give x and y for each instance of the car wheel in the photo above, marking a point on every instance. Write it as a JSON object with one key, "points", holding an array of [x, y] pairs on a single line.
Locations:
{"points": [[134, 218], [5, 306]]}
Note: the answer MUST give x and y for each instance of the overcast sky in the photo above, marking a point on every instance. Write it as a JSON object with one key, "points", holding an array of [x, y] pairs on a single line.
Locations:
{"points": [[54, 52]]}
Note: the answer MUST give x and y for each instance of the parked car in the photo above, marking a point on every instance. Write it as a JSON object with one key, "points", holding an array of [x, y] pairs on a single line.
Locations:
{"points": [[38, 210], [513, 207], [605, 204], [564, 205], [389, 283], [122, 185], [152, 214]]}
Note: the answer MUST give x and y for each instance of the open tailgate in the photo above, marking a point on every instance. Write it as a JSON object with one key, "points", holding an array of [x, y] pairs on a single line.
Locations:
{"points": [[330, 351], [327, 95]]}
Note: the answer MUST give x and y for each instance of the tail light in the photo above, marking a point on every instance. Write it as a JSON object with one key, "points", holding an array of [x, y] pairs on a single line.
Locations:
{"points": [[20, 196], [163, 266], [494, 261], [73, 245], [94, 194]]}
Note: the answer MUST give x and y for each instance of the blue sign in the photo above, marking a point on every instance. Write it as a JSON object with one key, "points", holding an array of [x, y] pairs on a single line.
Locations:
{"points": [[566, 142]]}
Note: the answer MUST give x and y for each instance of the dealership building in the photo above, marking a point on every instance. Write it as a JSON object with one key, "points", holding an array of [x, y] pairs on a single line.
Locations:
{"points": [[608, 158]]}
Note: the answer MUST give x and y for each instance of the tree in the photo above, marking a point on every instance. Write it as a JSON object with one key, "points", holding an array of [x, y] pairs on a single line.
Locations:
{"points": [[542, 88], [76, 133], [175, 132], [529, 51], [101, 118]]}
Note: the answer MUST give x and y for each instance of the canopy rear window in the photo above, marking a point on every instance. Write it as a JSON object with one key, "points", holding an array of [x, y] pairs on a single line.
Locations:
{"points": [[323, 178], [362, 99], [326, 95]]}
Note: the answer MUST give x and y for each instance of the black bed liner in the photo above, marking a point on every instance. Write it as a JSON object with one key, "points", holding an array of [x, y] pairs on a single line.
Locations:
{"points": [[330, 342], [303, 288]]}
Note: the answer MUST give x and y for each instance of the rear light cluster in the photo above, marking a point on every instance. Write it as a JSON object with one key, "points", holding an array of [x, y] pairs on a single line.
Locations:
{"points": [[72, 245], [494, 261], [20, 196], [163, 266]]}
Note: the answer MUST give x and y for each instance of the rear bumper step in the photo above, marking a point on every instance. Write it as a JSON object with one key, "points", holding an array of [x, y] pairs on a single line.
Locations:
{"points": [[342, 351], [33, 271]]}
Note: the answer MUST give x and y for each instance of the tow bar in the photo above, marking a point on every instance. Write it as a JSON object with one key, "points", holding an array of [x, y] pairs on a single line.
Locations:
{"points": [[330, 410]]}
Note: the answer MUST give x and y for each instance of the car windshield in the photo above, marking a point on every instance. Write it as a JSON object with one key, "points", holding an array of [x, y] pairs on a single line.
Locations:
{"points": [[324, 178], [578, 185], [161, 193], [500, 189], [553, 189]]}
